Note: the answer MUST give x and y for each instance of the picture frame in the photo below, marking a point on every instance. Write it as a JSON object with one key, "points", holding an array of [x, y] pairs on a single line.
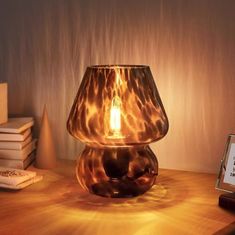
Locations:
{"points": [[226, 177]]}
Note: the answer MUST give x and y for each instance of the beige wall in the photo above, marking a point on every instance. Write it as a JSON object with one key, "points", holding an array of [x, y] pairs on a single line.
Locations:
{"points": [[45, 47]]}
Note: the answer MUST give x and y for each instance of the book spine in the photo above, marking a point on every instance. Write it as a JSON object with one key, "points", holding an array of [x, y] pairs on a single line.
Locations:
{"points": [[18, 154], [16, 125], [5, 145], [15, 137], [17, 164]]}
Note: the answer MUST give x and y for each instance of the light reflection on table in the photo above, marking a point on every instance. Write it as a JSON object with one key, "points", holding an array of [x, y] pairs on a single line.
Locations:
{"points": [[179, 203]]}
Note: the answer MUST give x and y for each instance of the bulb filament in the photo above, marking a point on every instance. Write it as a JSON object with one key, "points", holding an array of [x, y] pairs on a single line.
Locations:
{"points": [[115, 116]]}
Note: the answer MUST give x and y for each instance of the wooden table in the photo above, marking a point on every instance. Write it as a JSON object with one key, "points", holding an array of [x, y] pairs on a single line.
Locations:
{"points": [[180, 203]]}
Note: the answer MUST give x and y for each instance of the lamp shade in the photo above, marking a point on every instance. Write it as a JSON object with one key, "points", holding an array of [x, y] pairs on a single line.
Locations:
{"points": [[117, 105]]}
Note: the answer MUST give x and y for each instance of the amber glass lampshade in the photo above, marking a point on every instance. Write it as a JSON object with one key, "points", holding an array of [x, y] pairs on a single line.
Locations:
{"points": [[117, 112]]}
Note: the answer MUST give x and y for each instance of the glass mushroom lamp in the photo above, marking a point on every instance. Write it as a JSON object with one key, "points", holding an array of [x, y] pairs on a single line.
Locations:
{"points": [[117, 113]]}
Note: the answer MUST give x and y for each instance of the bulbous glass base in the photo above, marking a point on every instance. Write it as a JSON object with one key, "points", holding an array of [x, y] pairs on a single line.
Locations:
{"points": [[117, 171]]}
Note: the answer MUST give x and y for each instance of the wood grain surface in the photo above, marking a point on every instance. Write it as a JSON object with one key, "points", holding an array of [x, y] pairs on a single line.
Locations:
{"points": [[180, 203], [45, 47]]}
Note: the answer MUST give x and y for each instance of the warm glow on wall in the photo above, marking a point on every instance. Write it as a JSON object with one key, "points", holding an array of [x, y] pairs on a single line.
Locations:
{"points": [[46, 46]]}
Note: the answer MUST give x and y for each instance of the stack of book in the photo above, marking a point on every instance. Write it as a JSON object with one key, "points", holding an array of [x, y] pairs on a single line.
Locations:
{"points": [[17, 147]]}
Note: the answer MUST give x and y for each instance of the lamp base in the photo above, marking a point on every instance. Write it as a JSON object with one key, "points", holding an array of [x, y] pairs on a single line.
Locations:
{"points": [[117, 171]]}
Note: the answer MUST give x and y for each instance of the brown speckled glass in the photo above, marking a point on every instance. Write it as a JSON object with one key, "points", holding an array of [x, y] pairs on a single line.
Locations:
{"points": [[117, 112]]}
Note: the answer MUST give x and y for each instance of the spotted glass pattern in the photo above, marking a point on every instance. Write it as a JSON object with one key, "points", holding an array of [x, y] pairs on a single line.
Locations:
{"points": [[142, 116], [117, 172]]}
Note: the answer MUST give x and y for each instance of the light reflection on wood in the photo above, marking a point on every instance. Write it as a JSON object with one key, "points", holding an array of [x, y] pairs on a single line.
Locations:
{"points": [[180, 203]]}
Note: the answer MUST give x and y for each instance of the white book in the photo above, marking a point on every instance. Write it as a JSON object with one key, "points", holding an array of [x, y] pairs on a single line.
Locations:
{"points": [[15, 137], [11, 176], [26, 183], [18, 164], [17, 125], [15, 145], [18, 154]]}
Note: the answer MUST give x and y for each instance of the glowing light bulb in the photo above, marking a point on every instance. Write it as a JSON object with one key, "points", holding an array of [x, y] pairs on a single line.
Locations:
{"points": [[115, 116]]}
